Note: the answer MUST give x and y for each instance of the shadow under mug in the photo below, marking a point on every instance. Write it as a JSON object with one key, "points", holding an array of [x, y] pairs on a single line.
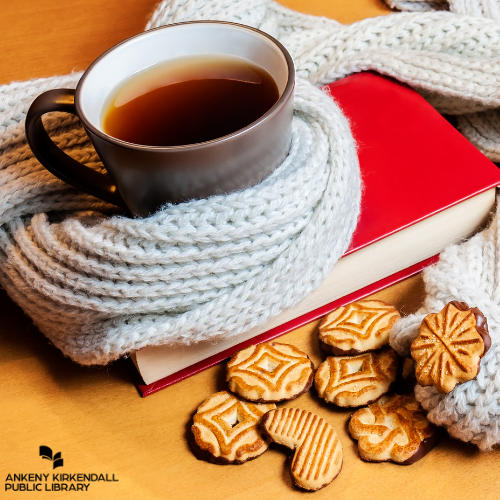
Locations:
{"points": [[143, 178]]}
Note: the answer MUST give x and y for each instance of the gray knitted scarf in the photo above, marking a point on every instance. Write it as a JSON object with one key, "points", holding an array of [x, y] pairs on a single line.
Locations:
{"points": [[99, 285]]}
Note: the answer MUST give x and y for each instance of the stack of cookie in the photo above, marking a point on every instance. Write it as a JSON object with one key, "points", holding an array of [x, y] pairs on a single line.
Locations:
{"points": [[363, 366], [234, 428], [361, 372]]}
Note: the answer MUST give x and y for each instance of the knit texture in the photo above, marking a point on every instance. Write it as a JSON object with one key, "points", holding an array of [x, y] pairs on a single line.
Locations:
{"points": [[468, 272], [418, 5], [482, 128], [480, 8], [99, 285]]}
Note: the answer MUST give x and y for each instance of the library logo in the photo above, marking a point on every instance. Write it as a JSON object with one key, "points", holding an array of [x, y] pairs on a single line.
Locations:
{"points": [[46, 453], [55, 481]]}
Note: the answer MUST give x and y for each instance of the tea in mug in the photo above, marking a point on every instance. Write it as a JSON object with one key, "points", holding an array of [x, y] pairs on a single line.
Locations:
{"points": [[189, 100]]}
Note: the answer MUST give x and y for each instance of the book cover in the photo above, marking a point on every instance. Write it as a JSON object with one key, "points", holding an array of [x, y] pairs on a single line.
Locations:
{"points": [[414, 166]]}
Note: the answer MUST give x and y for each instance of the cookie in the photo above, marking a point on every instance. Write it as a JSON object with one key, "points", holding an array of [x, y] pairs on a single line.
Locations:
{"points": [[394, 429], [357, 328], [270, 372], [318, 451], [356, 380], [226, 430], [450, 346]]}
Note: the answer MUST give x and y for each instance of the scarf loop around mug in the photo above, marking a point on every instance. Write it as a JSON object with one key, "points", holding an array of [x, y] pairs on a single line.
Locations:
{"points": [[99, 285]]}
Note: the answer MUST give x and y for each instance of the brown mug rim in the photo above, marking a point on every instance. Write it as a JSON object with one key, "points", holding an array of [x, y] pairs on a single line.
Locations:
{"points": [[199, 145]]}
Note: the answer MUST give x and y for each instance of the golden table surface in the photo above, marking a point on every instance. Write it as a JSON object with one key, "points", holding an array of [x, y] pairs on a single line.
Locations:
{"points": [[95, 417]]}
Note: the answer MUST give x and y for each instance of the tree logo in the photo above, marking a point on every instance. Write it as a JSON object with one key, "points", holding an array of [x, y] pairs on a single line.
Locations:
{"points": [[46, 452]]}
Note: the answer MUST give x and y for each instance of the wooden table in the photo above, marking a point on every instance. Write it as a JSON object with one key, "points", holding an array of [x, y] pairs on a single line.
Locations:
{"points": [[95, 417]]}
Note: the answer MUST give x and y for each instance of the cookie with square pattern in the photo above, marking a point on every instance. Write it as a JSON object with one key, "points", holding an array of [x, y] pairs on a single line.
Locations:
{"points": [[270, 372], [356, 380], [357, 328]]}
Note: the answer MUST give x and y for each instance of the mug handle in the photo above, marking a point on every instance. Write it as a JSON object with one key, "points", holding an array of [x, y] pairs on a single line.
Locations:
{"points": [[57, 161]]}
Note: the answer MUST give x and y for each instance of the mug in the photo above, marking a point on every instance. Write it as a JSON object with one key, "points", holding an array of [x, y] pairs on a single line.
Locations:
{"points": [[143, 178]]}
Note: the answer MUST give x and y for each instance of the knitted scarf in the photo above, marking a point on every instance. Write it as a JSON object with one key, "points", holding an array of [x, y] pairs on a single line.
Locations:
{"points": [[480, 8], [99, 285], [467, 272]]}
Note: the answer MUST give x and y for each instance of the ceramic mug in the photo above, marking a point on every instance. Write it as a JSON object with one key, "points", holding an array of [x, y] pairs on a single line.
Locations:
{"points": [[143, 178]]}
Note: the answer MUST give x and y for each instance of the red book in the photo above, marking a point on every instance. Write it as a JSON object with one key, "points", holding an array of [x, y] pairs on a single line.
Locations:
{"points": [[424, 186]]}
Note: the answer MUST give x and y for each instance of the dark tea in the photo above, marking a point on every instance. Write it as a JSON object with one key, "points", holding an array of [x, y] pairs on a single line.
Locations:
{"points": [[188, 101]]}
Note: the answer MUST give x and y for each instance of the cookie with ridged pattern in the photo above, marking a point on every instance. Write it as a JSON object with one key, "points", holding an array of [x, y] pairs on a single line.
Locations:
{"points": [[450, 346], [318, 456]]}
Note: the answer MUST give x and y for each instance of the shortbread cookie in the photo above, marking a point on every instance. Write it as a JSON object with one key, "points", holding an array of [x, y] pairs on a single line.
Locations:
{"points": [[395, 429], [226, 429], [318, 451], [356, 380], [450, 346], [357, 328], [270, 372]]}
